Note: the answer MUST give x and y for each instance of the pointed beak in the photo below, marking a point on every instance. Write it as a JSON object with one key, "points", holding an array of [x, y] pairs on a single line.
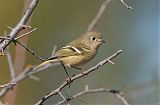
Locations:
{"points": [[102, 41]]}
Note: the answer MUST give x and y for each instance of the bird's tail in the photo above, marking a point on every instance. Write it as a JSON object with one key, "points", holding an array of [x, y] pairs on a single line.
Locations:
{"points": [[45, 63]]}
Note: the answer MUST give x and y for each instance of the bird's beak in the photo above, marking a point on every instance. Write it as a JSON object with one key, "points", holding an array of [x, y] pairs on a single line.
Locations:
{"points": [[102, 41]]}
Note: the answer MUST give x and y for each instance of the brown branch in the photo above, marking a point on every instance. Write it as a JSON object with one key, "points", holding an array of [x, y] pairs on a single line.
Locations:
{"points": [[117, 93], [8, 85], [20, 53], [10, 63], [32, 52], [100, 13], [13, 33], [15, 40], [122, 98], [25, 34], [94, 22], [64, 99], [27, 72], [65, 83], [4, 38]]}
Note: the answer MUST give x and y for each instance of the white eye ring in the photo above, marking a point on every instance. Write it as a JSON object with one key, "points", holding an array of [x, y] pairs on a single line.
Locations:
{"points": [[93, 38]]}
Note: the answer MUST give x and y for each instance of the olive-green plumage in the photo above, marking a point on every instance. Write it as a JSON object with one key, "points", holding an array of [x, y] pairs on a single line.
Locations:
{"points": [[78, 51]]}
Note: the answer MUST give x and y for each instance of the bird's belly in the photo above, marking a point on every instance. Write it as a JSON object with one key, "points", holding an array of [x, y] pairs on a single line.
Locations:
{"points": [[76, 60]]}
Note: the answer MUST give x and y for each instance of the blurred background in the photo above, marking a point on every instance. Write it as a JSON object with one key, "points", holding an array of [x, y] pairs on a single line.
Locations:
{"points": [[135, 31]]}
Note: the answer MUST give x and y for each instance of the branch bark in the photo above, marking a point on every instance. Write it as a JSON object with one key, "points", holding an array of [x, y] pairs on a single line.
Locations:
{"points": [[86, 72], [94, 22], [117, 93], [20, 52], [21, 24], [27, 73]]}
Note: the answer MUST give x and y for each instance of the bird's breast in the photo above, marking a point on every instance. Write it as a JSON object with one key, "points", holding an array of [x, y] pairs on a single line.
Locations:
{"points": [[77, 60]]}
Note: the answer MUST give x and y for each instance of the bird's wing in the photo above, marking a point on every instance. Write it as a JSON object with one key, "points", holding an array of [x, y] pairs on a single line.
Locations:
{"points": [[70, 51], [65, 52]]}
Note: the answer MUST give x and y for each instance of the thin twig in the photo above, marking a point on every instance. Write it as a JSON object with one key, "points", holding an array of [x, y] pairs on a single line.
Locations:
{"points": [[27, 72], [5, 38], [122, 98], [65, 83], [35, 78], [10, 63], [16, 41], [118, 93], [126, 5], [26, 26], [12, 34], [54, 51], [6, 87], [94, 22], [25, 34], [19, 37], [30, 71], [10, 84], [99, 14], [9, 27], [64, 99]]}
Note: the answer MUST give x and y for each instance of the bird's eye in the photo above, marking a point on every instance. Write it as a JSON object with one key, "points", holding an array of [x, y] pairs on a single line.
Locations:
{"points": [[93, 38]]}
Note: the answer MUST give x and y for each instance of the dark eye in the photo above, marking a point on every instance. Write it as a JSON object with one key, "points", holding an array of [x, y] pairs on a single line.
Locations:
{"points": [[93, 38]]}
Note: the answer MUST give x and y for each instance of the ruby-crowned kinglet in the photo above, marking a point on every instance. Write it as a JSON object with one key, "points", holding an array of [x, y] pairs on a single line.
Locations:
{"points": [[78, 51]]}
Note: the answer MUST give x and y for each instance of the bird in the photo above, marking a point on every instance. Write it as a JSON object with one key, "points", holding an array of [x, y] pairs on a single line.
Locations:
{"points": [[77, 52]]}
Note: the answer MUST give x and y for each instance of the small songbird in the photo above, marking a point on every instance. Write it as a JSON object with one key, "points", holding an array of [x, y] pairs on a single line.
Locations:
{"points": [[78, 51]]}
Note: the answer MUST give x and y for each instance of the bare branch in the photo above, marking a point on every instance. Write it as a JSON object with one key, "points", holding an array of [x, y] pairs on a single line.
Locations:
{"points": [[117, 93], [12, 34], [120, 96], [27, 72], [94, 22], [38, 57], [8, 85], [5, 38], [10, 63], [64, 99], [54, 51], [111, 62], [34, 78], [9, 27], [127, 6], [19, 37], [65, 83], [15, 40], [25, 34], [99, 14]]}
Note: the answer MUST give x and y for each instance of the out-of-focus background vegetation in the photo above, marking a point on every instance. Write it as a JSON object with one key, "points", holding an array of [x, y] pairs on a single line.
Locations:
{"points": [[135, 31]]}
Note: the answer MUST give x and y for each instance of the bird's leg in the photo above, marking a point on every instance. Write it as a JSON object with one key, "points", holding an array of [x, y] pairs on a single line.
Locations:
{"points": [[68, 79], [65, 69]]}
